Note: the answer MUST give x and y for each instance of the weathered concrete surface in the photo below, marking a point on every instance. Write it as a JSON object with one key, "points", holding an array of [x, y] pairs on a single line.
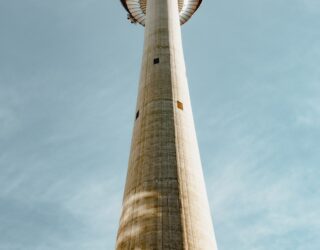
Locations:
{"points": [[165, 202]]}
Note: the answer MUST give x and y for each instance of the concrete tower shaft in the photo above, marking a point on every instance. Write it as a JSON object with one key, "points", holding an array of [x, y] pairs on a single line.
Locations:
{"points": [[165, 203]]}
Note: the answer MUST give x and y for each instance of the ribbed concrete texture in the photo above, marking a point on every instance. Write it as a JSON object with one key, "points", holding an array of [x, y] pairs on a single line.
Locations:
{"points": [[165, 203]]}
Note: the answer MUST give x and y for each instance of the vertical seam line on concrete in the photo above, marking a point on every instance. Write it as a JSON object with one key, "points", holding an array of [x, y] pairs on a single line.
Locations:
{"points": [[177, 133]]}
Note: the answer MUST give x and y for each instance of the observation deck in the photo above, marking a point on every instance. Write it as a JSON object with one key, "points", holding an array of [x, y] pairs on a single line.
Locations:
{"points": [[137, 10]]}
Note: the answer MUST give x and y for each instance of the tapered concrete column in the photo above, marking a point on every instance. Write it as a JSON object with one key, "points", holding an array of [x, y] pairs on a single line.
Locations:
{"points": [[165, 202]]}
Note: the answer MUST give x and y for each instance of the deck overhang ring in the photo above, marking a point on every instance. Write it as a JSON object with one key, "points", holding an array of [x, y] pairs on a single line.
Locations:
{"points": [[137, 10]]}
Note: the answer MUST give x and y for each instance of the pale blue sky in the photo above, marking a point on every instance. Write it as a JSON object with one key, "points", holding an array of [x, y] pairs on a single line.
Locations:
{"points": [[68, 83]]}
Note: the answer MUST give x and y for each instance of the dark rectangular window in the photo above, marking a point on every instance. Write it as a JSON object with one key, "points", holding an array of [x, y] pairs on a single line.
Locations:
{"points": [[137, 114], [180, 105], [156, 61]]}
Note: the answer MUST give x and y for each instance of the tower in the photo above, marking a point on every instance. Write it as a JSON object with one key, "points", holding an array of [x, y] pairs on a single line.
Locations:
{"points": [[165, 203]]}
